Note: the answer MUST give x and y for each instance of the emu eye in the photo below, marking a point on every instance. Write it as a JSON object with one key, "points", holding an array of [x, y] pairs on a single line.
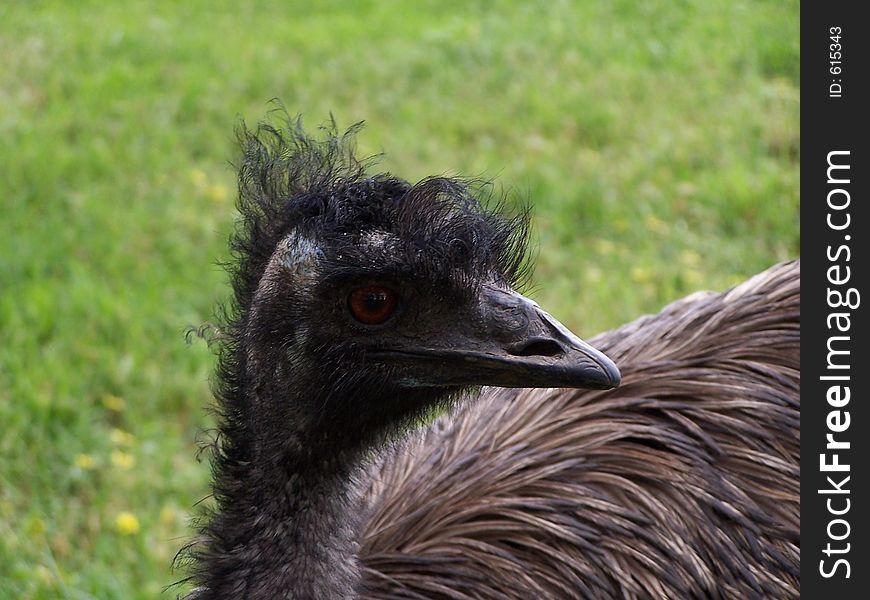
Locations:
{"points": [[372, 305]]}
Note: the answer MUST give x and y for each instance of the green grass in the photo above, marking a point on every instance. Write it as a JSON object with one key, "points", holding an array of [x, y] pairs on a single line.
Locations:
{"points": [[659, 142]]}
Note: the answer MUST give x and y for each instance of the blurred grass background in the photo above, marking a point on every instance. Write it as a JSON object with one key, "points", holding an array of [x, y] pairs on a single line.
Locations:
{"points": [[659, 142]]}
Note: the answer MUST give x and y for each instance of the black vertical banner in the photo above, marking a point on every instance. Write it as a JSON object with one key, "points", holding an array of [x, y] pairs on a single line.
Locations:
{"points": [[835, 421]]}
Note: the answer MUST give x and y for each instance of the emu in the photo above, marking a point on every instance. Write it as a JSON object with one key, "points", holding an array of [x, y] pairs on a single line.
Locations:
{"points": [[356, 455]]}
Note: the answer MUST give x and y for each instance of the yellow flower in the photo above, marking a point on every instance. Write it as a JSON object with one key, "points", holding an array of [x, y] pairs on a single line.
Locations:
{"points": [[113, 402], [167, 514], [126, 523], [121, 437], [85, 461], [654, 224], [217, 193], [603, 246], [35, 526], [44, 574], [694, 277], [640, 275], [690, 258], [122, 459], [198, 177]]}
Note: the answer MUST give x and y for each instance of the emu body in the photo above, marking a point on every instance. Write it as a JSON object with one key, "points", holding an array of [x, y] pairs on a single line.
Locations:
{"points": [[362, 305]]}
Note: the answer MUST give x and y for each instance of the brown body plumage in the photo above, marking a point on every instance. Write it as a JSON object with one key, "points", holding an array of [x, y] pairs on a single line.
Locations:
{"points": [[684, 481]]}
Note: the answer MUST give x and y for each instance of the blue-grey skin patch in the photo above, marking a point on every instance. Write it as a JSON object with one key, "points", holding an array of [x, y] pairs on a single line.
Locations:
{"points": [[379, 240], [297, 256]]}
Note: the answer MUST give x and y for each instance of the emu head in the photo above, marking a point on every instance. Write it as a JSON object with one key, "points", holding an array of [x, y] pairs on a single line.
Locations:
{"points": [[365, 301]]}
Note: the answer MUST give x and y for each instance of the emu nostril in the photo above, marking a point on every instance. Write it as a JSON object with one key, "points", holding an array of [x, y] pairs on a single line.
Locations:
{"points": [[537, 347]]}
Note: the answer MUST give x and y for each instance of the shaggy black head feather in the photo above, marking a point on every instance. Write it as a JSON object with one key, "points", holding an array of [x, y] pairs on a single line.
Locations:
{"points": [[290, 180]]}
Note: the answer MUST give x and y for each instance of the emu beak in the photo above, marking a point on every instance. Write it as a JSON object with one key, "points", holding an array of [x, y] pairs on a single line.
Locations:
{"points": [[509, 341], [518, 344]]}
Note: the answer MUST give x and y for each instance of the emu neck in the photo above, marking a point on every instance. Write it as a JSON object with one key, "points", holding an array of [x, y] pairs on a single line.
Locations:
{"points": [[289, 516]]}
